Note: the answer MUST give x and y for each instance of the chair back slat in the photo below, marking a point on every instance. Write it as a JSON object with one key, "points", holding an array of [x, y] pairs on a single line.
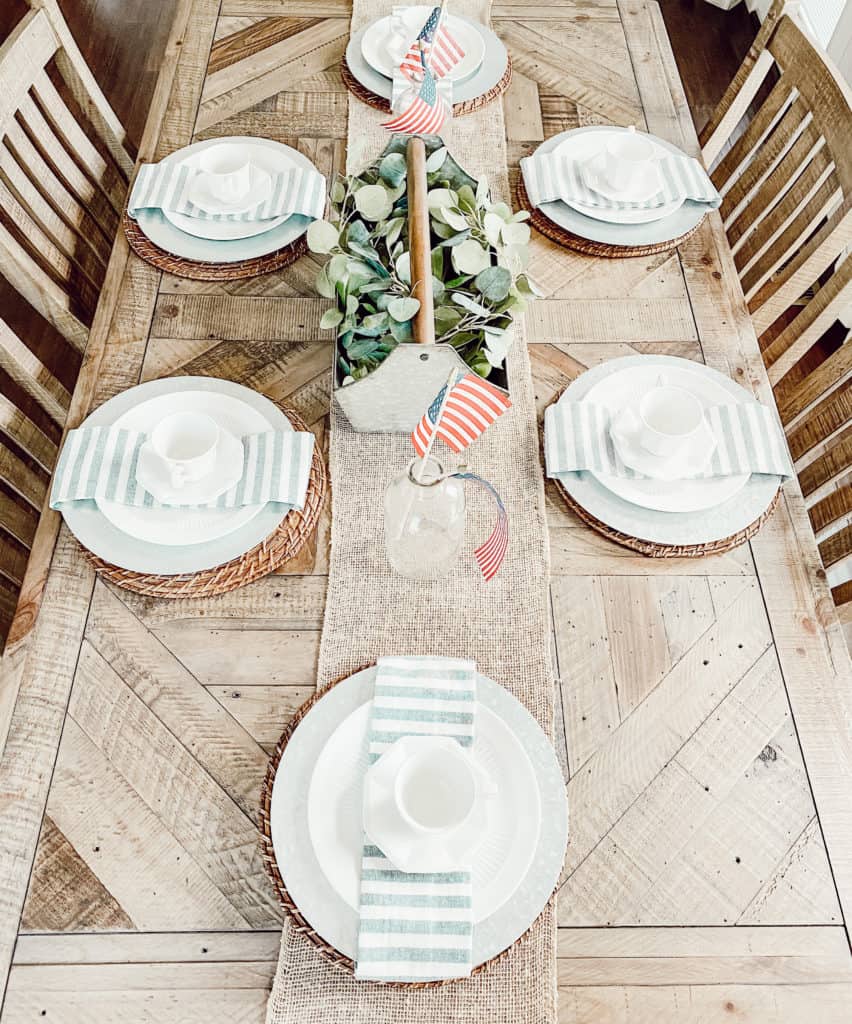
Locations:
{"points": [[17, 519], [822, 425], [837, 547], [21, 478], [816, 477], [32, 376], [29, 48], [25, 434], [832, 508]]}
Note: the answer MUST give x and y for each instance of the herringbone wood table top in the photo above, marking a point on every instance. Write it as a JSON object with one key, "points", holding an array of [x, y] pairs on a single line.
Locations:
{"points": [[704, 704]]}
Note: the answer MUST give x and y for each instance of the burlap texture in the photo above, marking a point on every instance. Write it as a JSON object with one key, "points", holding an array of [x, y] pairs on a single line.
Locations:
{"points": [[502, 624]]}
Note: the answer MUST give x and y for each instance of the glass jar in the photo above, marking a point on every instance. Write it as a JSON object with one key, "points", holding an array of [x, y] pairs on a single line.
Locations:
{"points": [[424, 520]]}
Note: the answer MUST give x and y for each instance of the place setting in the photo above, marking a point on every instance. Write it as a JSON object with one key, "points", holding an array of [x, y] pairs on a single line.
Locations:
{"points": [[224, 209], [616, 192], [470, 64], [414, 820], [665, 456], [189, 486]]}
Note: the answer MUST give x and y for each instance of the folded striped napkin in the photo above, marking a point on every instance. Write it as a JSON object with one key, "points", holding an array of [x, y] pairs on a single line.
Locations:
{"points": [[416, 927], [748, 440], [551, 176], [166, 186], [100, 462]]}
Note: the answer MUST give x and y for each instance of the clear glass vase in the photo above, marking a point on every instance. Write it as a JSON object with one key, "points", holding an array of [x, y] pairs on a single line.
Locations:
{"points": [[424, 520]]}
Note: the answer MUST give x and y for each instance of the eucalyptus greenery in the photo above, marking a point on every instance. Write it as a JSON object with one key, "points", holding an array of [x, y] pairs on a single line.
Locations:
{"points": [[479, 255]]}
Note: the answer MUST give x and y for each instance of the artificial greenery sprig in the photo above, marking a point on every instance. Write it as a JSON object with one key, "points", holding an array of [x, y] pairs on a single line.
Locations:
{"points": [[479, 258]]}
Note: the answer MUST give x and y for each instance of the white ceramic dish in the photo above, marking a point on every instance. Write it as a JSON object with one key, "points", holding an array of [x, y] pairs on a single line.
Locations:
{"points": [[376, 43], [500, 863], [673, 528], [259, 190], [265, 162], [173, 239], [648, 185], [167, 526], [586, 147], [326, 910], [692, 459], [485, 78], [107, 541], [619, 390]]}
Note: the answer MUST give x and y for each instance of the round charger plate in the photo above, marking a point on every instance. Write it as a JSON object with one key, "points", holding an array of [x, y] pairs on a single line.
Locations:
{"points": [[175, 526], [318, 911], [163, 234], [620, 389], [377, 35], [607, 238], [119, 549], [487, 82], [666, 534], [507, 846]]}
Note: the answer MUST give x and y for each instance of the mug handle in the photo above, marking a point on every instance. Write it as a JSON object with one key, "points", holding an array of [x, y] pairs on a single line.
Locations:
{"points": [[177, 475]]}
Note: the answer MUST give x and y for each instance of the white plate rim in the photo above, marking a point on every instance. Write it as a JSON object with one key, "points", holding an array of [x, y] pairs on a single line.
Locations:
{"points": [[528, 817], [380, 27], [296, 862], [632, 490], [103, 539]]}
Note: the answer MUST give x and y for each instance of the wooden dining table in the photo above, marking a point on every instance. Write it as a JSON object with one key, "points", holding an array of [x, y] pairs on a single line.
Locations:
{"points": [[704, 712]]}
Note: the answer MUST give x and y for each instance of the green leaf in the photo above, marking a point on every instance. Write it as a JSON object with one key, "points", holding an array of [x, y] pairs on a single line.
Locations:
{"points": [[330, 318], [392, 230], [436, 161], [467, 199], [392, 169], [455, 219], [440, 198], [446, 317], [338, 194], [362, 348], [437, 288], [403, 309], [481, 191], [442, 230], [373, 202], [322, 236], [357, 233], [351, 305], [373, 325], [336, 268], [456, 239], [470, 257], [466, 302], [493, 283], [323, 285], [401, 330], [516, 234], [437, 261], [403, 267]]}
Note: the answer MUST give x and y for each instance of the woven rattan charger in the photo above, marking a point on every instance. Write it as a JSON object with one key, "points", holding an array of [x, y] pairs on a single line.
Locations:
{"points": [[196, 270], [279, 547], [299, 923], [372, 99], [577, 243], [654, 550]]}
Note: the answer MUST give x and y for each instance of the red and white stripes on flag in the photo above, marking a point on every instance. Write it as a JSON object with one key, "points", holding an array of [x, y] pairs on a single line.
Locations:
{"points": [[441, 51], [471, 406], [489, 556]]}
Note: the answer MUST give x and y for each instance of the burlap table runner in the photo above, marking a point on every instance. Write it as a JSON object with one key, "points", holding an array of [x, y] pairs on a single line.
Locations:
{"points": [[502, 624]]}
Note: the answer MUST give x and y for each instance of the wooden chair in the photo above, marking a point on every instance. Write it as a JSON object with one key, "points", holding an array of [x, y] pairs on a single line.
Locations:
{"points": [[64, 173], [786, 184]]}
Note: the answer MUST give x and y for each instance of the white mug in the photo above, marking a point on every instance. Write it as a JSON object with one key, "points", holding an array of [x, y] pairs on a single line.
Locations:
{"points": [[626, 156], [668, 418], [185, 443], [228, 173], [438, 785], [398, 38]]}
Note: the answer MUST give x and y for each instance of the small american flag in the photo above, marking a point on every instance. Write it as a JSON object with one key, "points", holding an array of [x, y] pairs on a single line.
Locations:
{"points": [[435, 47], [425, 115], [489, 556], [471, 406]]}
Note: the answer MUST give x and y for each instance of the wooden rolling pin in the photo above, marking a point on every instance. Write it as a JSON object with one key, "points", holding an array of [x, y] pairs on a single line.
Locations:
{"points": [[420, 248]]}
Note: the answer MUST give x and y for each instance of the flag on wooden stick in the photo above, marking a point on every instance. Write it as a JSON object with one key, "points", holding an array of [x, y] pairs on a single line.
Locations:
{"points": [[435, 47], [425, 115], [460, 416]]}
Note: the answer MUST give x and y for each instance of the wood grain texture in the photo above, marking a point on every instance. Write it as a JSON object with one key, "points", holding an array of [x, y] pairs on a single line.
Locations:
{"points": [[702, 704]]}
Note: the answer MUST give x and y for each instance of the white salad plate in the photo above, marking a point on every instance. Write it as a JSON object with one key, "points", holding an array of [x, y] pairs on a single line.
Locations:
{"points": [[264, 163], [270, 236], [334, 917], [671, 528], [101, 536], [500, 862], [586, 148], [179, 526], [377, 43], [621, 390]]}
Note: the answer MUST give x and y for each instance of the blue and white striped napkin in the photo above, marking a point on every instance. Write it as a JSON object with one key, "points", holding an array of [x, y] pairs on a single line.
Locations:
{"points": [[416, 926], [100, 462], [166, 186], [748, 440], [551, 176]]}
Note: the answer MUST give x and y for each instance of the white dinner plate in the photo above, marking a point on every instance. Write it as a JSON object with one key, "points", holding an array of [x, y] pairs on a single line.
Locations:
{"points": [[180, 526], [500, 862], [377, 39], [318, 901], [621, 389], [270, 161], [104, 539], [583, 147]]}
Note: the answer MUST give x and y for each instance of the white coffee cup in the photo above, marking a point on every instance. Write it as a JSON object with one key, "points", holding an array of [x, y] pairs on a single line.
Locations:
{"points": [[438, 786], [185, 443], [228, 173], [627, 156], [669, 417]]}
